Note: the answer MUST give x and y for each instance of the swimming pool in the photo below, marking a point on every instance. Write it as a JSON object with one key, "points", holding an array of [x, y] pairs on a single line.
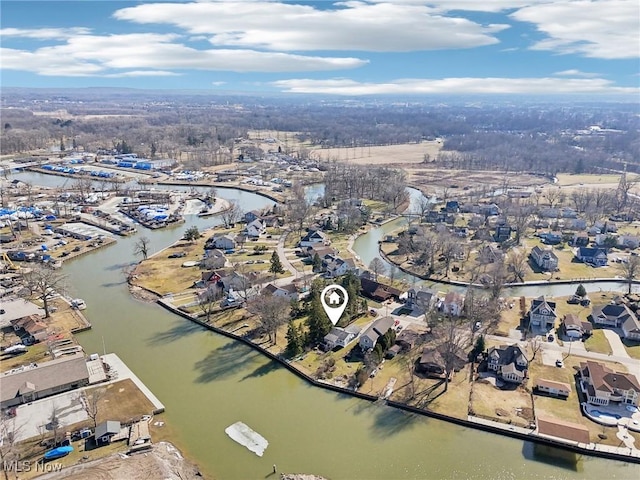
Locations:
{"points": [[604, 415]]}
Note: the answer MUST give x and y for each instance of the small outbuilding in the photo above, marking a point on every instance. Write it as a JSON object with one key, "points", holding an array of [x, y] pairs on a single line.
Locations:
{"points": [[106, 431]]}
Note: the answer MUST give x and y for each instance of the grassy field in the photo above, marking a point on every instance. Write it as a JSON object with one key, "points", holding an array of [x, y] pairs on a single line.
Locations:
{"points": [[598, 343], [502, 406], [380, 155]]}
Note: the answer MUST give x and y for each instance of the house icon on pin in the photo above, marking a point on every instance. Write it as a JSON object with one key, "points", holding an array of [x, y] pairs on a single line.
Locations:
{"points": [[334, 298]]}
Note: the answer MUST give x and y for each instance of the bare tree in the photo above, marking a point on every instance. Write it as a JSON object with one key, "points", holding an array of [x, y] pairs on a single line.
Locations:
{"points": [[141, 247], [9, 454], [630, 271], [232, 214], [553, 195], [455, 341], [208, 300], [299, 209], [378, 267], [44, 283], [518, 264], [272, 311], [90, 401]]}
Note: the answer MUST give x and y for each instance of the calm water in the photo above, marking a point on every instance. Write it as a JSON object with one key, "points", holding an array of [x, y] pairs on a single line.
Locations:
{"points": [[207, 383]]}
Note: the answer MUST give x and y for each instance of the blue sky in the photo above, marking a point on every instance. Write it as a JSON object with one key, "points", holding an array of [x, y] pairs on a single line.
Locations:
{"points": [[396, 47]]}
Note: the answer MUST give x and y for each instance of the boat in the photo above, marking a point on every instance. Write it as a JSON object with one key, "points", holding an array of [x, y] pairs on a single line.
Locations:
{"points": [[58, 452], [78, 304], [15, 349]]}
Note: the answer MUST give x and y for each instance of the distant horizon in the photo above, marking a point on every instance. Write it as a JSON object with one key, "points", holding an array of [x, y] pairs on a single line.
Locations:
{"points": [[364, 48]]}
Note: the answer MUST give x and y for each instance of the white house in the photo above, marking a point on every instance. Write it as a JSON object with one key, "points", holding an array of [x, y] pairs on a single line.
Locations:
{"points": [[340, 337], [335, 266], [453, 304], [314, 238], [290, 292], [378, 328], [223, 242], [255, 229], [550, 387], [545, 259]]}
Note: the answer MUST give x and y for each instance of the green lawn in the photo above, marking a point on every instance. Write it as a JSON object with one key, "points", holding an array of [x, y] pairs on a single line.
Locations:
{"points": [[598, 343]]}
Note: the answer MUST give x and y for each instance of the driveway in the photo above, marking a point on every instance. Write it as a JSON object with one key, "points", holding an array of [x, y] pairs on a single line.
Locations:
{"points": [[615, 342]]}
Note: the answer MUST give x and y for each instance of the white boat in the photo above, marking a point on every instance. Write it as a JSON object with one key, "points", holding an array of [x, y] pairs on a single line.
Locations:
{"points": [[78, 304], [15, 349]]}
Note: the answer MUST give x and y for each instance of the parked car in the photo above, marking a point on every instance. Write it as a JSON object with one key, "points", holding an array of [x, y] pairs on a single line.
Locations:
{"points": [[559, 363], [178, 255]]}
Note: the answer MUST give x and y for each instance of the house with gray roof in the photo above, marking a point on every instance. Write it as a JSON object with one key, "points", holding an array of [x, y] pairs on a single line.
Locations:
{"points": [[106, 431], [545, 259], [39, 380], [378, 328], [509, 363], [543, 313]]}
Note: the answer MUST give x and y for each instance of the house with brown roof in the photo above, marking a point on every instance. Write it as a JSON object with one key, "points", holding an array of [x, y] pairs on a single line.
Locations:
{"points": [[575, 328], [554, 427], [602, 385], [550, 387], [290, 292], [378, 291], [509, 363], [433, 361], [32, 327], [453, 304]]}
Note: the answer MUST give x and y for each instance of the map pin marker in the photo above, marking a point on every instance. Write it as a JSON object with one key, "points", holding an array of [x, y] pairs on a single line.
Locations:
{"points": [[336, 304]]}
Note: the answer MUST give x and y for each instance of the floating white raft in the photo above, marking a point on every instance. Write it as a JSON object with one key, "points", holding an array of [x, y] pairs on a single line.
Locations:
{"points": [[242, 434]]}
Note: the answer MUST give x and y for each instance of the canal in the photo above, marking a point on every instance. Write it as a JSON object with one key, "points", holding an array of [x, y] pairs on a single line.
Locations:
{"points": [[208, 382]]}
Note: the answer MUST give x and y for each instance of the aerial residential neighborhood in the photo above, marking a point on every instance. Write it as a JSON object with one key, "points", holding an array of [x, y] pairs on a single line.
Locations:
{"points": [[297, 240]]}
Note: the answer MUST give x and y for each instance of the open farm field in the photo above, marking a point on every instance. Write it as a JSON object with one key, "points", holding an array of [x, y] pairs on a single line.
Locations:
{"points": [[379, 155]]}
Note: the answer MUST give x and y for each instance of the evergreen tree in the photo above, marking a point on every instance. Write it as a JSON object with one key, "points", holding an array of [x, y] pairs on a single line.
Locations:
{"points": [[479, 347], [276, 265], [318, 323], [294, 344], [581, 291], [351, 284], [317, 263], [62, 148]]}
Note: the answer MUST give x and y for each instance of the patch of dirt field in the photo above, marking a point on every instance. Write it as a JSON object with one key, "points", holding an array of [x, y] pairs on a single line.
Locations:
{"points": [[380, 155], [162, 461]]}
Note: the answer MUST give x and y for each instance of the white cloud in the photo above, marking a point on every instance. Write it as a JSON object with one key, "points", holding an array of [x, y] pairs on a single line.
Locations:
{"points": [[87, 55], [44, 33], [593, 28], [218, 84], [576, 73], [521, 86], [142, 73], [352, 25]]}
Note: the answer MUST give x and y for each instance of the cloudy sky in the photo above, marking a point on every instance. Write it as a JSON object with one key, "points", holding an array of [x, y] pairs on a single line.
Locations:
{"points": [[350, 48]]}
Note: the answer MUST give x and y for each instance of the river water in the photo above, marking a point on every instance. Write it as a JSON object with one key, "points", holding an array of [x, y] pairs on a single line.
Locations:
{"points": [[208, 382]]}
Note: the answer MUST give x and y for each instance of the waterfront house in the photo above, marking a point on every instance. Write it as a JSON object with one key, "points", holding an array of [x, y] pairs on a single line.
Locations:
{"points": [[105, 431], [223, 242], [556, 428], [314, 238], [593, 256], [574, 327], [545, 259], [452, 304], [370, 336], [543, 313], [433, 362], [32, 328], [252, 215], [509, 363], [603, 385], [44, 379], [550, 387], [615, 316], [420, 301], [340, 337], [378, 291]]}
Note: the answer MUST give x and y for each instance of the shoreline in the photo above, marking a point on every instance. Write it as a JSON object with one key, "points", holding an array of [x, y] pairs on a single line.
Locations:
{"points": [[476, 423]]}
